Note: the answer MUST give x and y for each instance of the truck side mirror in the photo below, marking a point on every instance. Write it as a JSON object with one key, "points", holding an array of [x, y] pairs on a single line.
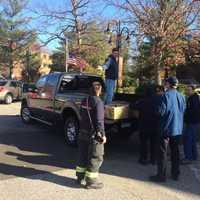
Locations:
{"points": [[35, 90]]}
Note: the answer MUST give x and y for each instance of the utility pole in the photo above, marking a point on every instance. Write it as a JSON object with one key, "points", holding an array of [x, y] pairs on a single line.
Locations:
{"points": [[28, 65], [10, 47], [66, 53]]}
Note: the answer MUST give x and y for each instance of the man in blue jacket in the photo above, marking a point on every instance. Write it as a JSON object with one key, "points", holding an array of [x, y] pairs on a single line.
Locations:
{"points": [[170, 109], [111, 75]]}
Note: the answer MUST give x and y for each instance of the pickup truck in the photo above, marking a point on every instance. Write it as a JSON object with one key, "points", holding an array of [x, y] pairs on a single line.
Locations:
{"points": [[56, 100]]}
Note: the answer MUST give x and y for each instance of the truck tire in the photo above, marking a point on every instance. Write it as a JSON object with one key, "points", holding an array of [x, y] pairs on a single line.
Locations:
{"points": [[25, 114], [126, 133], [8, 99], [71, 131]]}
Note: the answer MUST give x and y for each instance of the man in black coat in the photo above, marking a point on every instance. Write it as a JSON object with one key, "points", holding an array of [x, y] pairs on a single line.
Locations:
{"points": [[148, 124], [192, 121]]}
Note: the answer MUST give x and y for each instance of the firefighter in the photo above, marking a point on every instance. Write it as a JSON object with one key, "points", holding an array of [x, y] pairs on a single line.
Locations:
{"points": [[91, 139]]}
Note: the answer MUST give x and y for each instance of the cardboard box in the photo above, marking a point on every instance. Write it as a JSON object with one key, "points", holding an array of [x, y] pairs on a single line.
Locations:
{"points": [[117, 110]]}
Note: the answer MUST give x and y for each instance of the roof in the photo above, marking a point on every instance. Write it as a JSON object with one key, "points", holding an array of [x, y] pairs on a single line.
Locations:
{"points": [[10, 80]]}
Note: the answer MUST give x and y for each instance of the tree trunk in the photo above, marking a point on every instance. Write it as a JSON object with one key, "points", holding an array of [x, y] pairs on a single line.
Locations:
{"points": [[157, 75]]}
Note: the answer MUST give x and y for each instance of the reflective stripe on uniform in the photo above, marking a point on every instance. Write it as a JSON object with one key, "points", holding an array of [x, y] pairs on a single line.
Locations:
{"points": [[80, 169], [91, 174]]}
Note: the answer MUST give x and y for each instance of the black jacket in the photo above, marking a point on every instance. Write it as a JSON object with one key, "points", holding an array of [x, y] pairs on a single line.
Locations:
{"points": [[148, 121], [192, 113], [112, 71], [96, 110]]}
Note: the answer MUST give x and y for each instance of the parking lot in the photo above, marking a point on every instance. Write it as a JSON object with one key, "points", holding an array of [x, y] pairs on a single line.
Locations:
{"points": [[35, 163]]}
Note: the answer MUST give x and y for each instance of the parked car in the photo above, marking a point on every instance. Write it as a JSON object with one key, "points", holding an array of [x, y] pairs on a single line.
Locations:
{"points": [[10, 90], [56, 101], [2, 78], [191, 81]]}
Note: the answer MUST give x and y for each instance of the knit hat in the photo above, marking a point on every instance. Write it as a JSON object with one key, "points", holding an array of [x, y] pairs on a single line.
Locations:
{"points": [[172, 80]]}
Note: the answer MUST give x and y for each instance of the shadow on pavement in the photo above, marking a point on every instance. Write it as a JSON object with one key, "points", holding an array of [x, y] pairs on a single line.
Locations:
{"points": [[38, 145], [41, 175]]}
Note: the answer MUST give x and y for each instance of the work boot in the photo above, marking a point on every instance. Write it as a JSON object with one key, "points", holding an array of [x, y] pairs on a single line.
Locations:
{"points": [[94, 185], [81, 182], [157, 179], [186, 162]]}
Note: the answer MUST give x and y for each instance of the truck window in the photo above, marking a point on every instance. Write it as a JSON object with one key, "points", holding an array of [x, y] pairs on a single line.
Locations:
{"points": [[2, 83], [51, 85], [68, 83], [85, 82], [52, 80], [19, 84], [41, 82], [13, 84]]}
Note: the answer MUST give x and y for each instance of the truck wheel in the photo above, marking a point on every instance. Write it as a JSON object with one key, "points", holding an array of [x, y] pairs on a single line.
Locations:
{"points": [[26, 114], [8, 99], [71, 131], [125, 133]]}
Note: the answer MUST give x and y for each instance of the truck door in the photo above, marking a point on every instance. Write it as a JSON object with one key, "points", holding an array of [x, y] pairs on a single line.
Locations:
{"points": [[37, 97], [49, 96]]}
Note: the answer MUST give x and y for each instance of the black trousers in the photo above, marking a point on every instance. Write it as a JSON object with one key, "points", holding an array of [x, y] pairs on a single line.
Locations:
{"points": [[164, 143], [90, 160], [148, 141]]}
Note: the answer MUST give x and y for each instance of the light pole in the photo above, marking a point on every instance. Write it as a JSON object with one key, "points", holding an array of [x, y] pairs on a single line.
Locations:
{"points": [[28, 64], [116, 27], [66, 53]]}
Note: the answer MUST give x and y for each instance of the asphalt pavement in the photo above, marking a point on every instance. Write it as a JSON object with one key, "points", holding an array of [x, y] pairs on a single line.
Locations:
{"points": [[36, 164]]}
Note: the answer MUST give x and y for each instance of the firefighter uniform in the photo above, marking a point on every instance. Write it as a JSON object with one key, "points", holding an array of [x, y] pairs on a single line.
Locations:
{"points": [[90, 150]]}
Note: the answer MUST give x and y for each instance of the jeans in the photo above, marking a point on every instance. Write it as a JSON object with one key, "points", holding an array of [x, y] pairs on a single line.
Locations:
{"points": [[110, 88], [189, 141]]}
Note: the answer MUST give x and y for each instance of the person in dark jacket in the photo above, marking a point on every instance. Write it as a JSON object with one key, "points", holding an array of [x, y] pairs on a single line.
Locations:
{"points": [[192, 121], [111, 75], [147, 126], [170, 109], [91, 139]]}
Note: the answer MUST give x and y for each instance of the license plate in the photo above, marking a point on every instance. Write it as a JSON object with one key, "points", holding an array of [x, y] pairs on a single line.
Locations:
{"points": [[125, 125]]}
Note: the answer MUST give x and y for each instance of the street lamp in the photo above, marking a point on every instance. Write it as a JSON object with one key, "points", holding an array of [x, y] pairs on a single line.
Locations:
{"points": [[115, 27]]}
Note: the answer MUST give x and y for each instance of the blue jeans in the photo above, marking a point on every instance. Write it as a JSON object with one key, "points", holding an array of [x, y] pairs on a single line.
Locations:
{"points": [[190, 140], [110, 88]]}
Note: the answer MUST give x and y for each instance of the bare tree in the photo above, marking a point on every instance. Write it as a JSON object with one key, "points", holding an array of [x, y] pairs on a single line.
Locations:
{"points": [[164, 21], [61, 24]]}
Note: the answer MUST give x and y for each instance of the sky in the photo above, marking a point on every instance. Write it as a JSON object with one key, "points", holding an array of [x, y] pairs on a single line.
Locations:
{"points": [[96, 9]]}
